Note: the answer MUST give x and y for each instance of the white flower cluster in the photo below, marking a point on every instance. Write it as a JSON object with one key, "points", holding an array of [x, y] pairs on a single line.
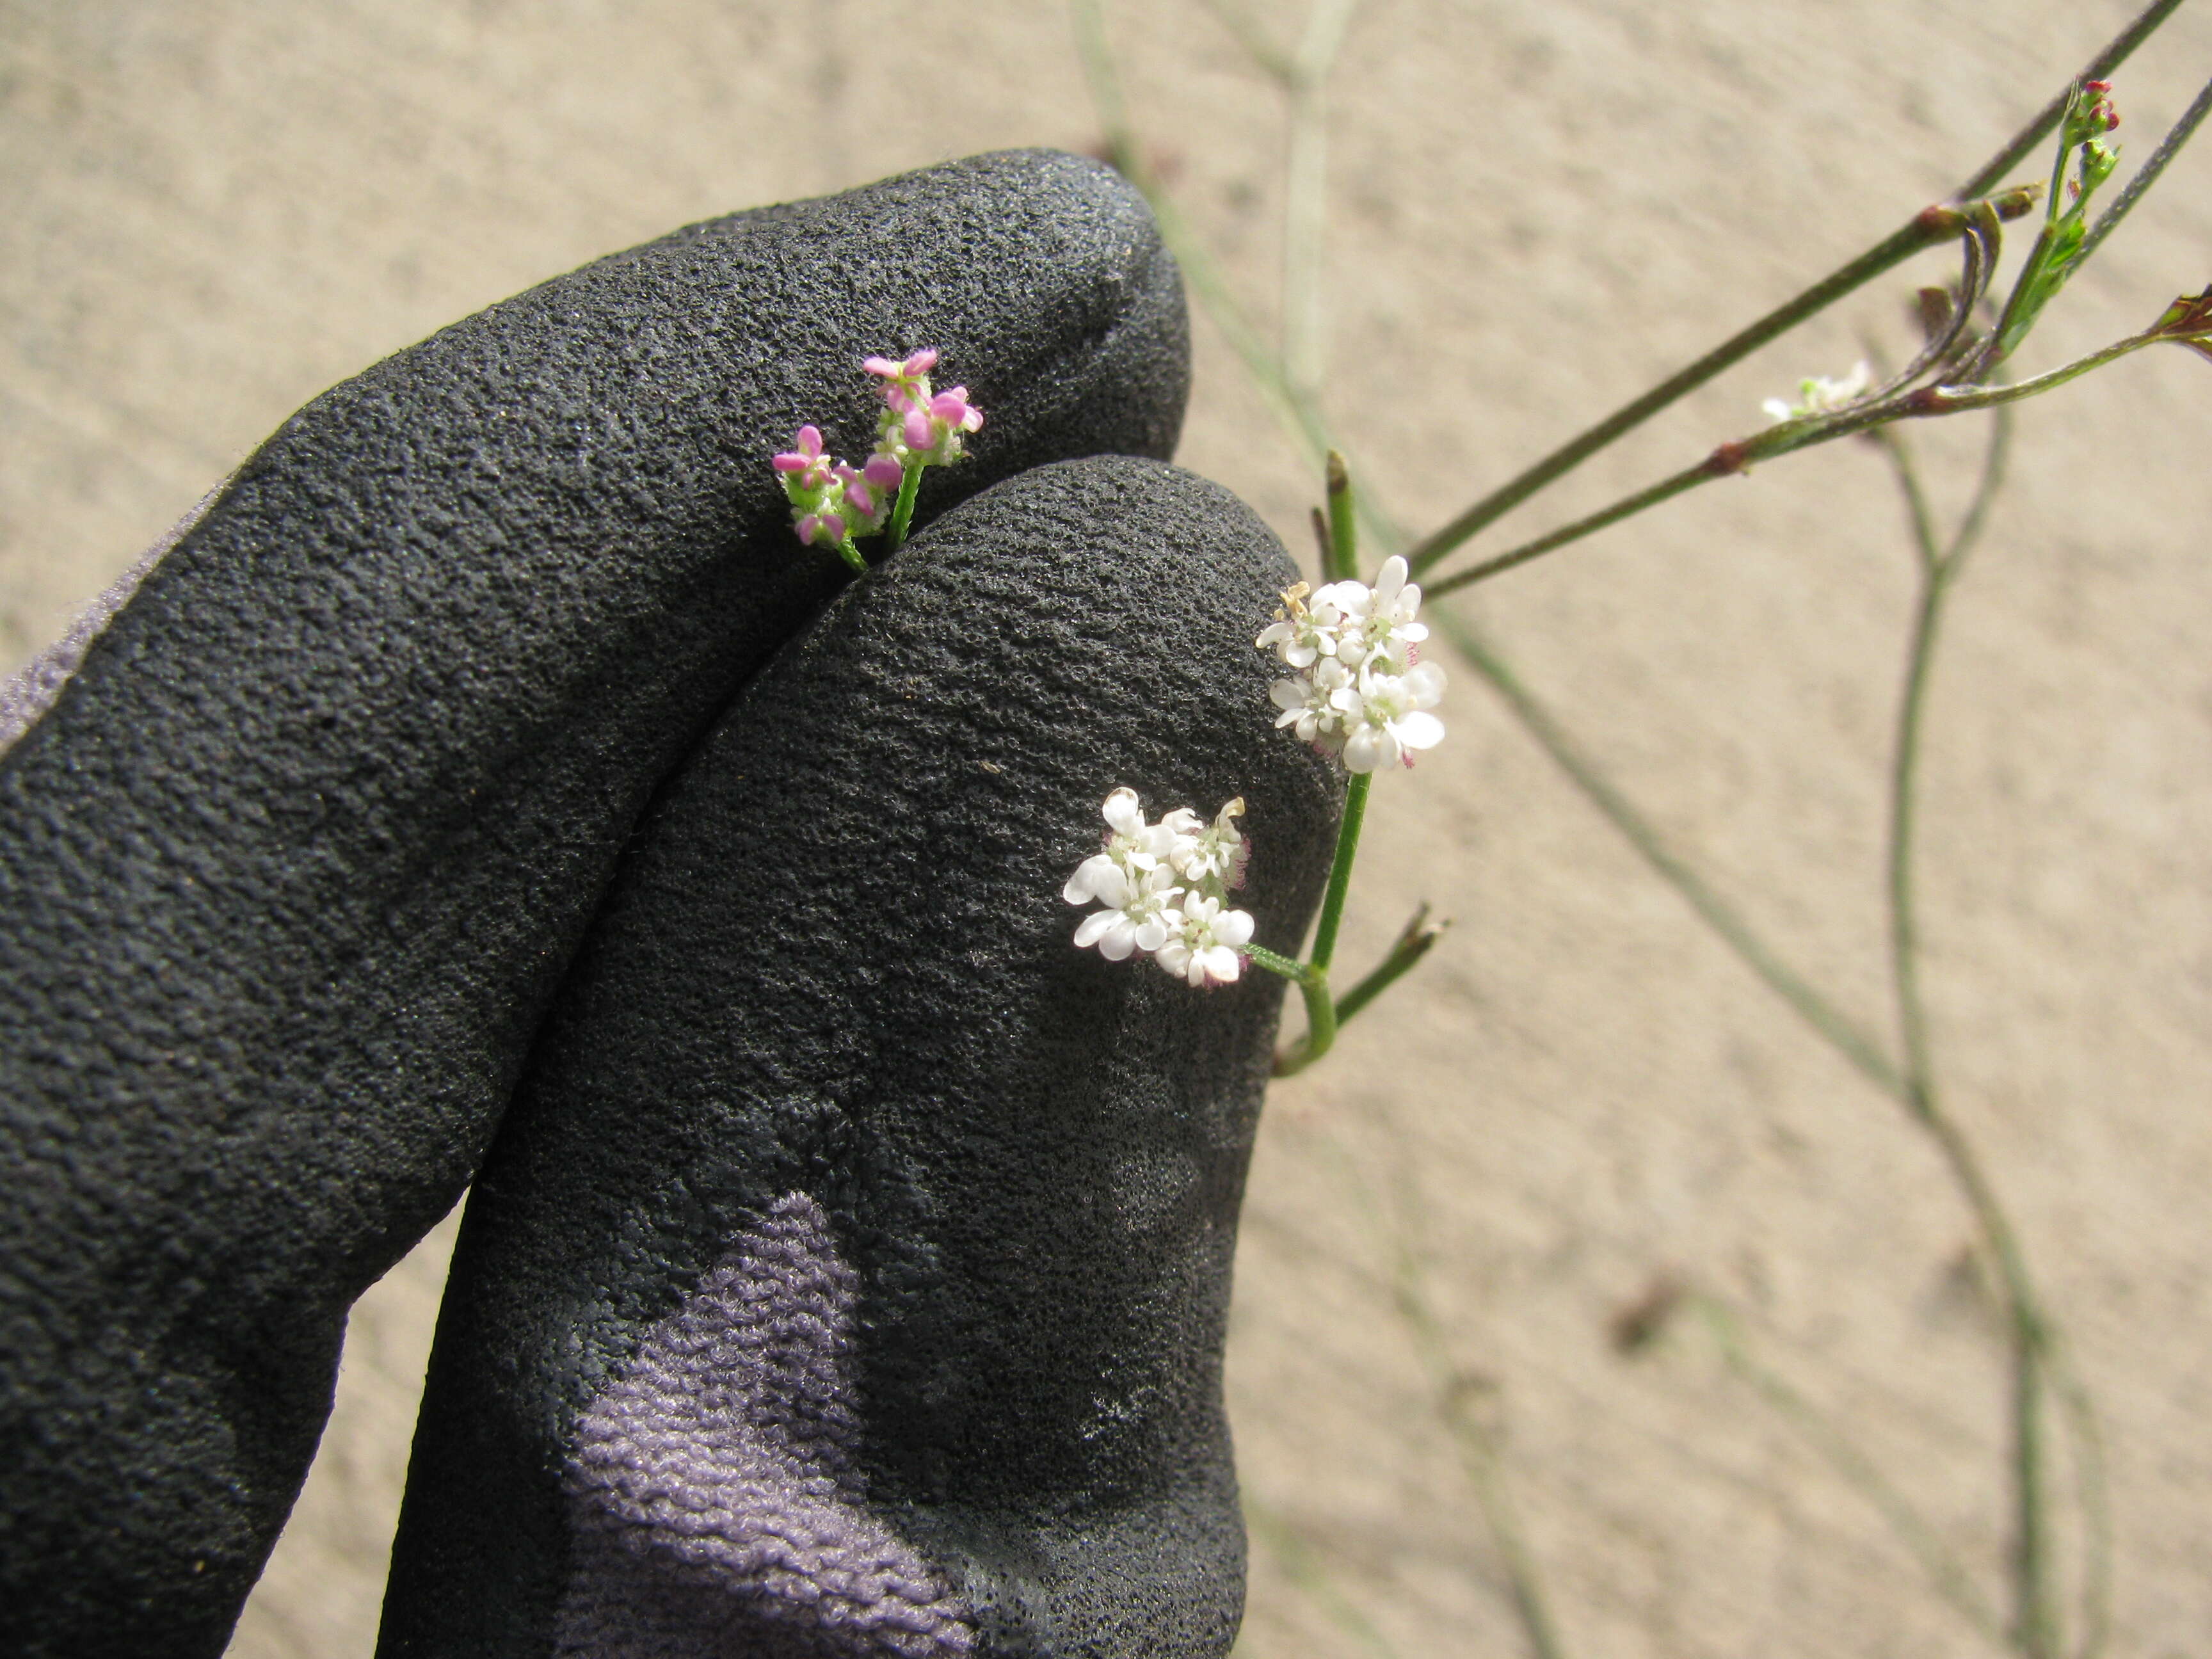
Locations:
{"points": [[1360, 690], [1165, 887]]}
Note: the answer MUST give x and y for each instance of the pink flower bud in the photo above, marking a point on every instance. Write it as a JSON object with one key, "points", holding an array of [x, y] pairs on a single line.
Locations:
{"points": [[919, 434], [884, 471]]}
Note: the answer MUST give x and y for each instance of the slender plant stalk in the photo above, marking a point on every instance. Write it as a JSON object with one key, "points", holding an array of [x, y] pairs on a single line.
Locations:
{"points": [[1627, 508], [1729, 924], [1414, 942], [2091, 1478], [1256, 46], [1918, 234], [1340, 873], [1306, 194], [1922, 231], [1479, 1458], [2037, 1625], [903, 510], [1731, 458], [1342, 546], [1945, 1572]]}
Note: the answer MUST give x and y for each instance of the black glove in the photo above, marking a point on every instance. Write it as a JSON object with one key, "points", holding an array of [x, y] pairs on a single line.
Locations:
{"points": [[295, 864]]}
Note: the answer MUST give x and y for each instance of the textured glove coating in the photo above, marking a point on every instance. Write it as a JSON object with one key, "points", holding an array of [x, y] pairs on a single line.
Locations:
{"points": [[294, 864], [851, 1275]]}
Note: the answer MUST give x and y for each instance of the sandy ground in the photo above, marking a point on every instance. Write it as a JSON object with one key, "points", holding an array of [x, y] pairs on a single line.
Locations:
{"points": [[216, 208]]}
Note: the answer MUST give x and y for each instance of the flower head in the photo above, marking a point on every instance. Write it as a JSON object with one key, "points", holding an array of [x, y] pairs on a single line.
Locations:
{"points": [[1387, 715], [1164, 888], [1360, 689], [817, 485], [918, 428], [1203, 942], [905, 382], [1211, 853], [1137, 918]]}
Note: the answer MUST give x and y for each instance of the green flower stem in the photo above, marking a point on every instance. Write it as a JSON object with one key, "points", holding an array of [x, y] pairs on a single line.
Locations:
{"points": [[903, 510], [1321, 1009], [1322, 1017], [1729, 924], [1891, 250], [1343, 563], [2041, 1365], [1412, 945], [1339, 872], [1731, 458], [1924, 230], [1627, 508], [1945, 1573], [852, 555], [1297, 972]]}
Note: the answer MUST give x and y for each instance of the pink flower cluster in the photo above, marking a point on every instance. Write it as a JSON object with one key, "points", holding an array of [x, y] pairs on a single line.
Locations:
{"points": [[829, 498], [920, 427], [835, 502]]}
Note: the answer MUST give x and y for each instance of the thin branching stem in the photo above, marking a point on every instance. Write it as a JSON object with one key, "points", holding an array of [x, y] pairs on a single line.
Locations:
{"points": [[1626, 507], [1339, 872], [1916, 235], [1922, 231], [1945, 1571], [1729, 924], [1479, 1457], [1733, 458], [903, 510], [1305, 195], [2037, 1626], [1269, 58]]}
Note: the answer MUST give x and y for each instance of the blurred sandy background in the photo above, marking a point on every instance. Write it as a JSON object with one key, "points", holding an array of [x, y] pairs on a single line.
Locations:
{"points": [[216, 208]]}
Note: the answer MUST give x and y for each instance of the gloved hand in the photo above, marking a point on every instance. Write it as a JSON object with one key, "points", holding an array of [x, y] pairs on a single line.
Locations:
{"points": [[847, 1274]]}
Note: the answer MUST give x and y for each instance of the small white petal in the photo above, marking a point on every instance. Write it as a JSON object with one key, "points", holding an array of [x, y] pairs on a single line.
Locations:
{"points": [[1418, 730], [1367, 749], [1233, 928], [1120, 938], [1122, 814], [1098, 877], [1093, 927], [1222, 965]]}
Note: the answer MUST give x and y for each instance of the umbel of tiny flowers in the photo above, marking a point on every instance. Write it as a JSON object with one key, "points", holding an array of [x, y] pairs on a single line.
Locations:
{"points": [[1165, 889], [835, 502], [1359, 689]]}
